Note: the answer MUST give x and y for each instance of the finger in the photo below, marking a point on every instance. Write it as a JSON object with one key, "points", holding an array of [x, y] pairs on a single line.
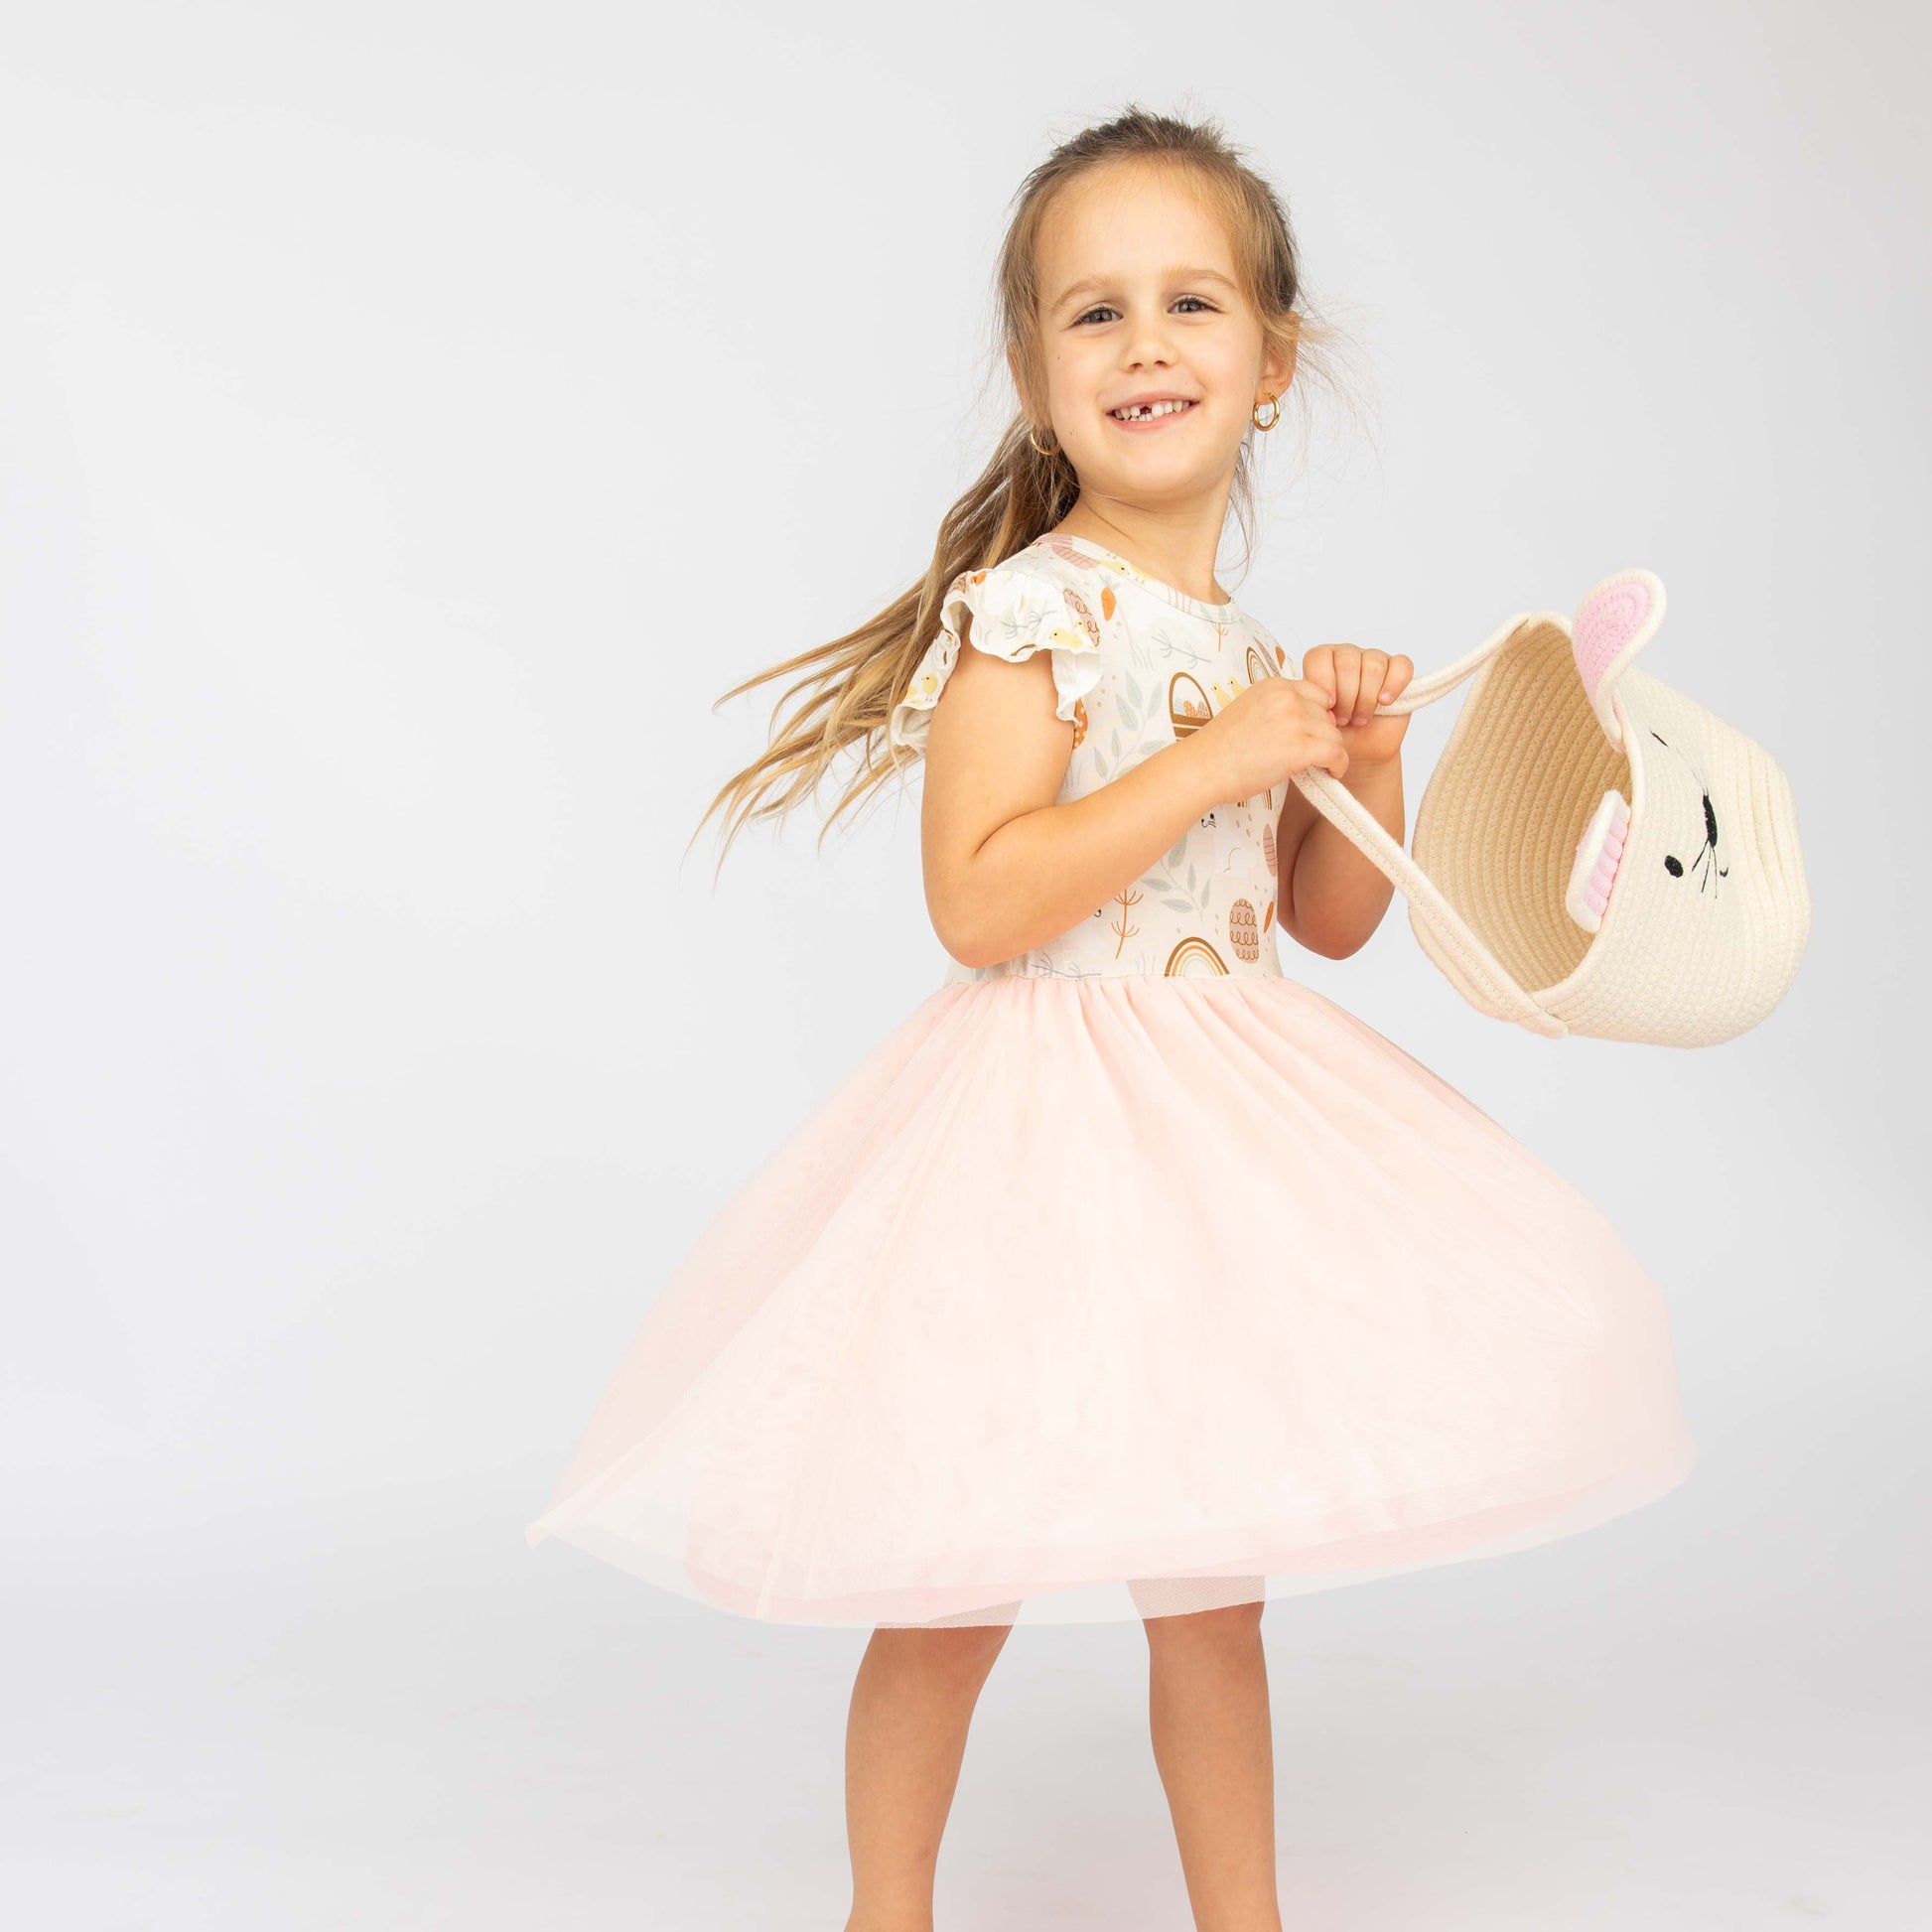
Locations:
{"points": [[1373, 689], [1332, 755], [1348, 684], [1313, 688], [1395, 679], [1318, 669]]}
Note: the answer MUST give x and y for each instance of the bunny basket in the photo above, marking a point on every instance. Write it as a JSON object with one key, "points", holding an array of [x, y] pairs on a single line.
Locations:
{"points": [[1594, 853]]}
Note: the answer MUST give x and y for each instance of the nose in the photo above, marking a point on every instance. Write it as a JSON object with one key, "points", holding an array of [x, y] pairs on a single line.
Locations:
{"points": [[1149, 342]]}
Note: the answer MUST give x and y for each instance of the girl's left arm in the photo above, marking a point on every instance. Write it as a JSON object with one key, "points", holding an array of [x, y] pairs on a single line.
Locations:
{"points": [[1332, 896]]}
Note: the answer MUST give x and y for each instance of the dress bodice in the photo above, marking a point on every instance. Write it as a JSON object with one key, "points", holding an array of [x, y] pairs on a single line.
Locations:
{"points": [[1137, 665]]}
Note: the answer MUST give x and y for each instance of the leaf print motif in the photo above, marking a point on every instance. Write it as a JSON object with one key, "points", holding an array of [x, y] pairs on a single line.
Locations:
{"points": [[1181, 648], [1192, 896], [1052, 968]]}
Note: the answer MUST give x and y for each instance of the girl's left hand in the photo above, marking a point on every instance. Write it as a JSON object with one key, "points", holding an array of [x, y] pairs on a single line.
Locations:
{"points": [[1356, 681]]}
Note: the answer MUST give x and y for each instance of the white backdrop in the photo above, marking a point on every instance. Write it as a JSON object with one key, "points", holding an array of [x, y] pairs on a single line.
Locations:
{"points": [[411, 419]]}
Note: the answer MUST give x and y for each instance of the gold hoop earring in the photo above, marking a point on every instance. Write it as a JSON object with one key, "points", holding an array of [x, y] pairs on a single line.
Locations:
{"points": [[1037, 450], [1254, 415]]}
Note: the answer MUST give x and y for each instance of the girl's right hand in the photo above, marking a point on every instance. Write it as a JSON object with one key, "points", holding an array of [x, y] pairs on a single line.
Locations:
{"points": [[1276, 726]]}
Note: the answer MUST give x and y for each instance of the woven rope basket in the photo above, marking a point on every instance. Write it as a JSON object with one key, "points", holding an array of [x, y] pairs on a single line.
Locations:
{"points": [[1594, 853]]}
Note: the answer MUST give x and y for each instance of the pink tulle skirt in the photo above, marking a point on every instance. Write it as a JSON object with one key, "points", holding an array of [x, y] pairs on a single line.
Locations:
{"points": [[1082, 1300]]}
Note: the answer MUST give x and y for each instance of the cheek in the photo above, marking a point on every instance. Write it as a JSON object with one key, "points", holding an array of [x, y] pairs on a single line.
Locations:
{"points": [[1230, 366], [1074, 373]]}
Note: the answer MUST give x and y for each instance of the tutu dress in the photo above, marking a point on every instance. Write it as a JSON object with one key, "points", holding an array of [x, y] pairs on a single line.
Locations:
{"points": [[1128, 1276]]}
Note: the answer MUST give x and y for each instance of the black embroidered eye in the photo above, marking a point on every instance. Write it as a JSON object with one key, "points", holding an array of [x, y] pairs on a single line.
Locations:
{"points": [[1675, 866]]}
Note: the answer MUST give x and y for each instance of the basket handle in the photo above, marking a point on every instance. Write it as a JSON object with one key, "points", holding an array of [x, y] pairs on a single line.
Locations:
{"points": [[1367, 834]]}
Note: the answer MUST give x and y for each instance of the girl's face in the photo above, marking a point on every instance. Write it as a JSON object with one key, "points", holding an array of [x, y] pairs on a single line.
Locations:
{"points": [[1140, 299]]}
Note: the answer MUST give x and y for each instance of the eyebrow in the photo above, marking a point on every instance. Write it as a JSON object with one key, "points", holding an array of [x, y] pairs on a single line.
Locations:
{"points": [[1090, 282]]}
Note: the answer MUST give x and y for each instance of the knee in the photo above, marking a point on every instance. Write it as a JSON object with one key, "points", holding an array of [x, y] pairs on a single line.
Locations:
{"points": [[1233, 1623], [962, 1653]]}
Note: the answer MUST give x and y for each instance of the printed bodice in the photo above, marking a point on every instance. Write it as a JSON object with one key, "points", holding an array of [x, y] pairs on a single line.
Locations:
{"points": [[1136, 666]]}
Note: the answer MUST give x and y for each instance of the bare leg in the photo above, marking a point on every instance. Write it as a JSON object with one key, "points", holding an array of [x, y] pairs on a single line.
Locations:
{"points": [[911, 1704], [1207, 1704]]}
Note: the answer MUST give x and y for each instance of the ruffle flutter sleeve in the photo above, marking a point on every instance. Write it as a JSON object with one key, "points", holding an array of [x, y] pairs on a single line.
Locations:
{"points": [[1013, 614]]}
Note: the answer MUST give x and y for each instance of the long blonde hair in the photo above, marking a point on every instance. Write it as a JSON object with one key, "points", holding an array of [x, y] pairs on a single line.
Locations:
{"points": [[852, 683]]}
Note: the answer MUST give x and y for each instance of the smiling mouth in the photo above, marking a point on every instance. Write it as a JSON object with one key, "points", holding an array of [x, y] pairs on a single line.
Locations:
{"points": [[1153, 412]]}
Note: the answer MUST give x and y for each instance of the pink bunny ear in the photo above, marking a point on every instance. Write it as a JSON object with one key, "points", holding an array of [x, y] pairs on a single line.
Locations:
{"points": [[1593, 872], [1613, 623]]}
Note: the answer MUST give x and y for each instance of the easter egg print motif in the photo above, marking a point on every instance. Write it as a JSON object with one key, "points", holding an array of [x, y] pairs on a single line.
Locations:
{"points": [[1137, 668], [1077, 605], [1244, 930], [1187, 705]]}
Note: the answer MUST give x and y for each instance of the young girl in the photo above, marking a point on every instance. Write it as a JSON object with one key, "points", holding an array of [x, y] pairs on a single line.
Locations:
{"points": [[1127, 1276]]}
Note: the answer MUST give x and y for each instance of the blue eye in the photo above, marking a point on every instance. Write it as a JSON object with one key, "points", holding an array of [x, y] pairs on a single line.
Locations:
{"points": [[1108, 309]]}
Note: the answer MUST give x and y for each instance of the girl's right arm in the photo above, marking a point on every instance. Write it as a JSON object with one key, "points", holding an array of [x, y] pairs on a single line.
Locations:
{"points": [[1006, 869]]}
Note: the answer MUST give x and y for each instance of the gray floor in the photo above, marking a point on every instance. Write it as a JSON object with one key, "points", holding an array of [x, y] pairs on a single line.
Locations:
{"points": [[388, 1713]]}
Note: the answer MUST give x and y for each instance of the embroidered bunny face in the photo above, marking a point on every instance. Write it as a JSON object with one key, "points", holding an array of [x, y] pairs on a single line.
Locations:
{"points": [[1690, 871], [1612, 625]]}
